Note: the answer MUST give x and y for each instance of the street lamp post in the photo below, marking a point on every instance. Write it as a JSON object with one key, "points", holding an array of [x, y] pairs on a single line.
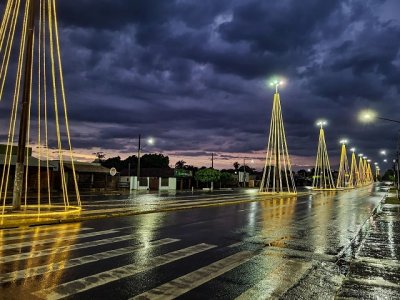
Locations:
{"points": [[150, 141], [26, 99], [244, 172], [138, 165], [368, 116]]}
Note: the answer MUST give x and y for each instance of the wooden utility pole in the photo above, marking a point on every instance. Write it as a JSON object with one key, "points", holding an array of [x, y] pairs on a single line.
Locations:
{"points": [[26, 98], [138, 165]]}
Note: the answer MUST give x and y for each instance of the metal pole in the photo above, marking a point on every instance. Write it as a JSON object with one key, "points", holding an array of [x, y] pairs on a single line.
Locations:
{"points": [[398, 167], [26, 97], [138, 166], [244, 172], [212, 160]]}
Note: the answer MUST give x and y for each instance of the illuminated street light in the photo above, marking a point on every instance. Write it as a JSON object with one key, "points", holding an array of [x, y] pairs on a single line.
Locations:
{"points": [[321, 123], [344, 141], [150, 141], [369, 116], [385, 160], [276, 83], [353, 149], [383, 152]]}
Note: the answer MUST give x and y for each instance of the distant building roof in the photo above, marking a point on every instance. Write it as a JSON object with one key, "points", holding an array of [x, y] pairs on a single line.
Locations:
{"points": [[82, 167], [32, 162], [13, 149]]}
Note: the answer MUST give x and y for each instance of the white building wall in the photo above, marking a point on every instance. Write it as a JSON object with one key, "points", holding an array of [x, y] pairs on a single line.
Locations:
{"points": [[171, 184], [134, 182]]}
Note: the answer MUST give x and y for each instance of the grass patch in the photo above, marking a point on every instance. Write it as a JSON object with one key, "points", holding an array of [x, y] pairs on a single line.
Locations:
{"points": [[392, 200]]}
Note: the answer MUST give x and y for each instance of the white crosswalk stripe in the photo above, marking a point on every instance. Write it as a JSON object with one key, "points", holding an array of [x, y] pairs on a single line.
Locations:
{"points": [[52, 240], [47, 228], [62, 265], [183, 284], [90, 282], [41, 234], [40, 253]]}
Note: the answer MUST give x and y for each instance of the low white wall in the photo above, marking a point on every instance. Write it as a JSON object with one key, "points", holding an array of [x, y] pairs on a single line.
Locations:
{"points": [[134, 182], [171, 184]]}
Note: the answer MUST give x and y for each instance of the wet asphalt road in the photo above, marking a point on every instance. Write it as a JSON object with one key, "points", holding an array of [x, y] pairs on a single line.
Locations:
{"points": [[252, 250]]}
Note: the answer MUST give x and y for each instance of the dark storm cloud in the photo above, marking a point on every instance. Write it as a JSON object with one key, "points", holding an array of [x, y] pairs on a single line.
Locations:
{"points": [[192, 73]]}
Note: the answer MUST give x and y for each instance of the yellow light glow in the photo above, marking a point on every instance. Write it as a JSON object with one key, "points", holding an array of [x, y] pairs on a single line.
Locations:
{"points": [[367, 116]]}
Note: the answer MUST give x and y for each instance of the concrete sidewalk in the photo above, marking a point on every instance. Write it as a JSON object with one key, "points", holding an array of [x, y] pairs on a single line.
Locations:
{"points": [[375, 270]]}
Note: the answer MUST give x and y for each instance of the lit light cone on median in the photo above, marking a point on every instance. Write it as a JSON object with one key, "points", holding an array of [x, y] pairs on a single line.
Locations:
{"points": [[354, 180], [343, 180], [323, 179], [277, 175], [43, 122]]}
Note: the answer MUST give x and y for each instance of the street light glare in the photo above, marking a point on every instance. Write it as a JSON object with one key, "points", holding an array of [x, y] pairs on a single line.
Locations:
{"points": [[353, 149], [367, 116], [383, 152], [150, 141], [321, 123], [344, 141]]}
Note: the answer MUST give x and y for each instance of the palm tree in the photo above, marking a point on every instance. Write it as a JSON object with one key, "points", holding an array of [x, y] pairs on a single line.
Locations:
{"points": [[180, 164]]}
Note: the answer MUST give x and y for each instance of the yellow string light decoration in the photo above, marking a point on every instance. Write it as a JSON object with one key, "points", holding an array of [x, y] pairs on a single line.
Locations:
{"points": [[343, 180], [43, 116], [354, 172], [277, 176], [322, 179]]}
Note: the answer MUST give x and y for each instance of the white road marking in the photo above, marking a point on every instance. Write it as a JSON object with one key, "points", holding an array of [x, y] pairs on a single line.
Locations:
{"points": [[40, 253], [89, 282], [74, 262], [58, 239], [185, 283], [40, 234], [44, 228]]}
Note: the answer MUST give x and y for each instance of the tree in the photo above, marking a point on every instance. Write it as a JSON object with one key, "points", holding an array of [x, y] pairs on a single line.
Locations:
{"points": [[227, 179], [113, 162], [388, 176], [154, 161], [207, 175], [236, 165], [180, 164]]}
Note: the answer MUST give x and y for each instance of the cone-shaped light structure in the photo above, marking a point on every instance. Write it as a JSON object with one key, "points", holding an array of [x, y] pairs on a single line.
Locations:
{"points": [[323, 179], [354, 180], [344, 170], [361, 169], [277, 176], [38, 117]]}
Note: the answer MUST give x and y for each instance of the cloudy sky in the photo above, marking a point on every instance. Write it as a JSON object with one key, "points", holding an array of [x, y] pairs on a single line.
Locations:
{"points": [[192, 74]]}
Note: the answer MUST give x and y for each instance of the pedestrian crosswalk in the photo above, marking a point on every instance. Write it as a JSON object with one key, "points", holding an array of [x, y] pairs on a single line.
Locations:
{"points": [[70, 263]]}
